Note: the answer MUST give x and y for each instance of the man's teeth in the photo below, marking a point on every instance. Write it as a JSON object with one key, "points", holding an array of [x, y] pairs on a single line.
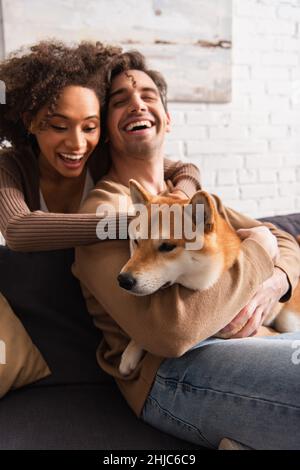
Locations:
{"points": [[133, 125], [71, 157]]}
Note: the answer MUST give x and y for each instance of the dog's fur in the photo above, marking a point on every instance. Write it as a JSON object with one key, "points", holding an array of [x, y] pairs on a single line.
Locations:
{"points": [[151, 268]]}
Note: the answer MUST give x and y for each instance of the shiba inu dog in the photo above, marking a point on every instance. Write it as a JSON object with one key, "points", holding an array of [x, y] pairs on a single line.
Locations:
{"points": [[160, 259]]}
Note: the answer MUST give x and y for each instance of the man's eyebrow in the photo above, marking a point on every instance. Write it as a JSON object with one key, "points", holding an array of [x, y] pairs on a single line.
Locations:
{"points": [[66, 117], [120, 91], [150, 88]]}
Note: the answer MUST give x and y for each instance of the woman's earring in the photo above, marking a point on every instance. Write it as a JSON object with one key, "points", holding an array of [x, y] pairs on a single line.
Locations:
{"points": [[30, 129]]}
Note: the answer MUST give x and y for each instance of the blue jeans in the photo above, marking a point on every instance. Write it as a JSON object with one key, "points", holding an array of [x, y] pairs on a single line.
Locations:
{"points": [[244, 389]]}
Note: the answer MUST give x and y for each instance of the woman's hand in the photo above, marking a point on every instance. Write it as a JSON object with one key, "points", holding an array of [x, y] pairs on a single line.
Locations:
{"points": [[178, 194], [252, 316]]}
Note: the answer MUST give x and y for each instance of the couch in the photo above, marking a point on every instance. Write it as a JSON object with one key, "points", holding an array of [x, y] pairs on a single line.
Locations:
{"points": [[78, 406]]}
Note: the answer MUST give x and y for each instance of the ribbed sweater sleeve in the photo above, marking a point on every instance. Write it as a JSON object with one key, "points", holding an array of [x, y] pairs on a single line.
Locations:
{"points": [[26, 230], [184, 176]]}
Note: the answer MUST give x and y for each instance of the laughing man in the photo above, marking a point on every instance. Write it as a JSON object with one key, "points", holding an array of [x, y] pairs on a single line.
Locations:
{"points": [[221, 388]]}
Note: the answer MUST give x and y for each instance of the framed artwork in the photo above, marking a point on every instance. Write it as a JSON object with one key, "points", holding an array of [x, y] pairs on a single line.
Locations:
{"points": [[188, 41]]}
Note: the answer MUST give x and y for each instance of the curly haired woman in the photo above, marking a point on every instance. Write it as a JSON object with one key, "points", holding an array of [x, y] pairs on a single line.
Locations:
{"points": [[55, 95]]}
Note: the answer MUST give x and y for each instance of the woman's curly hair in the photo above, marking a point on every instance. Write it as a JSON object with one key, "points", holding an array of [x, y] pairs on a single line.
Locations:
{"points": [[36, 78]]}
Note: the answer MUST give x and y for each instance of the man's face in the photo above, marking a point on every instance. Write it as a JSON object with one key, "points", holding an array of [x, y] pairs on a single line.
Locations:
{"points": [[136, 120]]}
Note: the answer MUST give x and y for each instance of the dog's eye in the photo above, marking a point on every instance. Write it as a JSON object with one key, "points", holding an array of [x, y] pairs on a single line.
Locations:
{"points": [[166, 247]]}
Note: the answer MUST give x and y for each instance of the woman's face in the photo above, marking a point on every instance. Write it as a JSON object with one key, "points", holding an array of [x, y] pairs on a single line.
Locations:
{"points": [[71, 134]]}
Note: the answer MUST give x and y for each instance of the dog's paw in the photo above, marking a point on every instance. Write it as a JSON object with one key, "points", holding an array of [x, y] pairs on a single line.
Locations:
{"points": [[130, 358], [127, 364]]}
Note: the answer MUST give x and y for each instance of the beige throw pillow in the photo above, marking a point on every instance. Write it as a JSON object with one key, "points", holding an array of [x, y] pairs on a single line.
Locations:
{"points": [[21, 363]]}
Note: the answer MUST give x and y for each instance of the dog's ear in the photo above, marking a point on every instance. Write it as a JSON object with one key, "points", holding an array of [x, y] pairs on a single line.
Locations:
{"points": [[202, 197], [138, 194]]}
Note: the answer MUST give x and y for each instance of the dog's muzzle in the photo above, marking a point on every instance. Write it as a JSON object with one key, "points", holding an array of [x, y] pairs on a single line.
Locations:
{"points": [[126, 281]]}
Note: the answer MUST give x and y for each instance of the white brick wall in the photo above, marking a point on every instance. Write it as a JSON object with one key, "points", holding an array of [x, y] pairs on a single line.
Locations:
{"points": [[249, 150]]}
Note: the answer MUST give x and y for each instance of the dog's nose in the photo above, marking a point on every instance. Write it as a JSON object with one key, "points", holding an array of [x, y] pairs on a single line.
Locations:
{"points": [[126, 280]]}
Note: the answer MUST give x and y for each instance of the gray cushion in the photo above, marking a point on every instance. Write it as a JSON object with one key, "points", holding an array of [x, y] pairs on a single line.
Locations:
{"points": [[290, 223]]}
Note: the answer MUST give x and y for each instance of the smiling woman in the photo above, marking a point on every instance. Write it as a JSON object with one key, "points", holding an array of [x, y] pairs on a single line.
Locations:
{"points": [[71, 137]]}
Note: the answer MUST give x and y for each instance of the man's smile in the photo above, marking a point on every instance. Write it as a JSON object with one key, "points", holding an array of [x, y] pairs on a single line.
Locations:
{"points": [[138, 125]]}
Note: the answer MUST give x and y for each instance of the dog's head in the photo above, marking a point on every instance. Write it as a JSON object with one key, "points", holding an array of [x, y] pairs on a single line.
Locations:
{"points": [[159, 257]]}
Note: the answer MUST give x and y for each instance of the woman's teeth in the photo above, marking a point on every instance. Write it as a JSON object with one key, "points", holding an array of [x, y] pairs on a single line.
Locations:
{"points": [[71, 158]]}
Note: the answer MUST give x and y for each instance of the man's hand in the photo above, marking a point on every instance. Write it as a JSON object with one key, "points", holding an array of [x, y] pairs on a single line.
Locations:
{"points": [[252, 316], [264, 237]]}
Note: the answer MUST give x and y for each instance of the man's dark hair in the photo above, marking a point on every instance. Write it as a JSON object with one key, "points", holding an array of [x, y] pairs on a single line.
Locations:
{"points": [[134, 60]]}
